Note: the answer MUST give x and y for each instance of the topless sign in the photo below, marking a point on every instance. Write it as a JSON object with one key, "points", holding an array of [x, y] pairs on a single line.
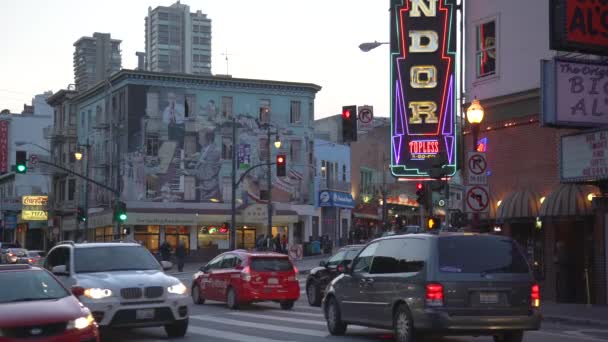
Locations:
{"points": [[423, 84]]}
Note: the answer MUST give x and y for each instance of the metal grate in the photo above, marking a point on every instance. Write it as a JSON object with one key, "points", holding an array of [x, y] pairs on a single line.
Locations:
{"points": [[131, 293], [154, 291]]}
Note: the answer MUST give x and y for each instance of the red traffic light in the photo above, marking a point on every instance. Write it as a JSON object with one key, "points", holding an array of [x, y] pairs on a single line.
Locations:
{"points": [[280, 159], [419, 186], [346, 114]]}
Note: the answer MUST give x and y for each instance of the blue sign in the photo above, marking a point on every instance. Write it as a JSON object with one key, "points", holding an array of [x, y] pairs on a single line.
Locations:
{"points": [[329, 198], [10, 222], [244, 156]]}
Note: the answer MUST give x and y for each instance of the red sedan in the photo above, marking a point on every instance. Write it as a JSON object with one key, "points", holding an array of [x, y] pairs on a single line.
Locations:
{"points": [[34, 306], [241, 277]]}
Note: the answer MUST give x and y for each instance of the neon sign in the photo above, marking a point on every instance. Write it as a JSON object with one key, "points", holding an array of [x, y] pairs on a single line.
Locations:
{"points": [[423, 85]]}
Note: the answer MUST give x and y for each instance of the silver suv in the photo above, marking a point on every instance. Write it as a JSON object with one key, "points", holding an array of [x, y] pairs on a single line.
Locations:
{"points": [[122, 284]]}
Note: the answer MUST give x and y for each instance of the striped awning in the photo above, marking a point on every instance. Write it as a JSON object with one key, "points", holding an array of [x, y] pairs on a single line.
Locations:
{"points": [[568, 200], [518, 204]]}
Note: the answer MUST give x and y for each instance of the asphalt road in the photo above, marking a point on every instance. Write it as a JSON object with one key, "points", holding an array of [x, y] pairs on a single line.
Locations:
{"points": [[266, 322]]}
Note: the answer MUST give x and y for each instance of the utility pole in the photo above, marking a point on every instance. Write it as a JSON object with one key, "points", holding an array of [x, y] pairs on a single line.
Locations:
{"points": [[234, 185], [269, 180], [86, 191]]}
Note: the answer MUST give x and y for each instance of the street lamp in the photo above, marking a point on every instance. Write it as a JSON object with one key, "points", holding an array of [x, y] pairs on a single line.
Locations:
{"points": [[475, 115], [78, 155], [366, 47], [277, 142]]}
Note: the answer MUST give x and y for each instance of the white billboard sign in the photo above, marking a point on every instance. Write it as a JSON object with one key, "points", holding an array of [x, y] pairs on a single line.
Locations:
{"points": [[584, 157]]}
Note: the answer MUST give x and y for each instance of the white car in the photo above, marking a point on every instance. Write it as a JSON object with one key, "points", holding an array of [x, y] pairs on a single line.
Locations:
{"points": [[122, 284]]}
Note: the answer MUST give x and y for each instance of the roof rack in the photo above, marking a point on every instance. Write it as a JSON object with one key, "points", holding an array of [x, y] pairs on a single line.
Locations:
{"points": [[126, 241], [69, 242]]}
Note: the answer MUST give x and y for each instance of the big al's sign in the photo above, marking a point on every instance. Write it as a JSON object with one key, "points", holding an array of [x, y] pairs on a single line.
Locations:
{"points": [[579, 25], [423, 84], [3, 146]]}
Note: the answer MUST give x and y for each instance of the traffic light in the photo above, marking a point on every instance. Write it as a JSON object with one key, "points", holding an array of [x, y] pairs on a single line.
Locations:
{"points": [[81, 215], [420, 193], [349, 123], [281, 165], [433, 223], [21, 162], [120, 212]]}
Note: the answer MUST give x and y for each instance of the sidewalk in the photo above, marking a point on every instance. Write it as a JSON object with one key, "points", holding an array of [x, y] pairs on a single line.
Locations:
{"points": [[575, 314]]}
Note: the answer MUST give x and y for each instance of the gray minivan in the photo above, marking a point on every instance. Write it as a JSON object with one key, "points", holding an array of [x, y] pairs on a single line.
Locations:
{"points": [[445, 284]]}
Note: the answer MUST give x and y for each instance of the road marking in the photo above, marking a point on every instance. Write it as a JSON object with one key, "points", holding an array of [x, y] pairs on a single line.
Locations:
{"points": [[277, 318], [227, 335], [307, 314], [298, 331], [568, 336]]}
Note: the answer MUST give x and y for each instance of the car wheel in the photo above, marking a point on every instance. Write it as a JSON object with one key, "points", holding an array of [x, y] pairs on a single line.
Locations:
{"points": [[177, 328], [287, 304], [334, 318], [313, 293], [196, 295], [513, 336], [403, 327], [231, 299]]}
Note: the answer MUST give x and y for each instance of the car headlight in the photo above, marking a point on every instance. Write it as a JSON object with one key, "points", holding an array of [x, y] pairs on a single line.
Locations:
{"points": [[178, 288], [95, 293], [81, 323]]}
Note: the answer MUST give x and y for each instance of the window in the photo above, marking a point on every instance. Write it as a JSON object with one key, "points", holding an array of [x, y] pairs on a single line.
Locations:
{"points": [[364, 260], [62, 190], [229, 261], [71, 189], [344, 173], [163, 16], [82, 116], [59, 256], [294, 112], [152, 145], [295, 150], [311, 113], [366, 181], [323, 169], [227, 148], [460, 254], [264, 112], [271, 264], [311, 154], [215, 263], [486, 49], [226, 106], [104, 259], [400, 256]]}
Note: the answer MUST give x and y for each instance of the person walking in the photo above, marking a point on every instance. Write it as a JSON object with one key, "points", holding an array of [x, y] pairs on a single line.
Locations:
{"points": [[165, 251], [284, 243], [180, 254]]}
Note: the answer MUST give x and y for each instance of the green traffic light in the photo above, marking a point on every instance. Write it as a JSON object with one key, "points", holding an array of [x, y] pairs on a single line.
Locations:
{"points": [[122, 217], [20, 168]]}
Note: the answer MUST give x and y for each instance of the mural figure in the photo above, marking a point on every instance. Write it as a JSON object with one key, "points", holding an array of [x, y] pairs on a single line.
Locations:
{"points": [[208, 166], [173, 116]]}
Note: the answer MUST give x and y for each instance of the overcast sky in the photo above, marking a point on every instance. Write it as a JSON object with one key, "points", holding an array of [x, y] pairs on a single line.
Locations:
{"points": [[301, 41]]}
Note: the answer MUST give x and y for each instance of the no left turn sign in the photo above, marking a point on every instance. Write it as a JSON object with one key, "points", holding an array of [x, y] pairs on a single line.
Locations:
{"points": [[477, 199]]}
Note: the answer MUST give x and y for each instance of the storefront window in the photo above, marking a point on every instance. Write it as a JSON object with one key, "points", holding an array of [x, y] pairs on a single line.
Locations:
{"points": [[105, 234], [148, 236], [173, 234], [208, 236]]}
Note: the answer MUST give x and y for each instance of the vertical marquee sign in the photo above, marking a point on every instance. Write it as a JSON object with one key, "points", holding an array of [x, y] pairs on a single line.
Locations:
{"points": [[423, 85]]}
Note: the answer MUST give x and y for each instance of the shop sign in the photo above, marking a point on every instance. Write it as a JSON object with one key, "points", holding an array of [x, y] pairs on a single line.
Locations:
{"points": [[164, 219], [574, 93], [584, 157], [337, 199], [35, 200], [13, 204], [3, 146], [34, 215], [255, 213], [423, 83], [579, 26], [10, 221]]}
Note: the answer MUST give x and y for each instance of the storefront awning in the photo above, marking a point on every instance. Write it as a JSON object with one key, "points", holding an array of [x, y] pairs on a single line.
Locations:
{"points": [[518, 204], [569, 200]]}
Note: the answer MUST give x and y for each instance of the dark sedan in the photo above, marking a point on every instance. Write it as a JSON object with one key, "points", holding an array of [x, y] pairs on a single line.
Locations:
{"points": [[319, 277]]}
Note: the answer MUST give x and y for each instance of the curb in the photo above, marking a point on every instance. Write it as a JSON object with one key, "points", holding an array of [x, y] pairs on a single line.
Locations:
{"points": [[575, 321]]}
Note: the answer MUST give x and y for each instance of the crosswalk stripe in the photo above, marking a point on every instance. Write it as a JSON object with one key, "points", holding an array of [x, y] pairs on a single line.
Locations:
{"points": [[307, 314], [298, 331], [277, 318], [227, 335]]}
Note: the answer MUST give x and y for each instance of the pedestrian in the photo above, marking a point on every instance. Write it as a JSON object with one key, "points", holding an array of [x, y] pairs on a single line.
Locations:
{"points": [[180, 254], [277, 243], [165, 251], [284, 243]]}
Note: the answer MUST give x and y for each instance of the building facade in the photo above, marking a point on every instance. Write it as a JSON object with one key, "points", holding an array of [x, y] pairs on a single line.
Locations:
{"points": [[555, 223], [95, 59], [168, 138], [178, 41], [24, 132], [333, 191]]}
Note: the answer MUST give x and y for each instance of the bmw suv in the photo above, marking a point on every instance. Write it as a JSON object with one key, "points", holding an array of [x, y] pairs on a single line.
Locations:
{"points": [[445, 284], [122, 284]]}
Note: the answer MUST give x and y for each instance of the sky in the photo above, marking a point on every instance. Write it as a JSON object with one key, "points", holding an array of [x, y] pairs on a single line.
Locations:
{"points": [[313, 41]]}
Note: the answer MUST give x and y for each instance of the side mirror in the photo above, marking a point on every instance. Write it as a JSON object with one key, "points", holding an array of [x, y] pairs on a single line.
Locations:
{"points": [[322, 263], [77, 291], [167, 265], [60, 270]]}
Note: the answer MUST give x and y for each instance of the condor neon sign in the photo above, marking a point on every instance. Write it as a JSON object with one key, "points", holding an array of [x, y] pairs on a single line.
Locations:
{"points": [[423, 85]]}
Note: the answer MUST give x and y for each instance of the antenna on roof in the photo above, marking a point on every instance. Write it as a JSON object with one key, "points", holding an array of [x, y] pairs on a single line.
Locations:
{"points": [[226, 54]]}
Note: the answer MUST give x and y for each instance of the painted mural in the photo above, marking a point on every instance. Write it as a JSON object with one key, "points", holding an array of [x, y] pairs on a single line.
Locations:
{"points": [[180, 146]]}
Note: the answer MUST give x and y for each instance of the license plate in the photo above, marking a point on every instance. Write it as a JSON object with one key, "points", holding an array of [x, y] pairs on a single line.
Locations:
{"points": [[144, 314], [273, 281], [488, 298]]}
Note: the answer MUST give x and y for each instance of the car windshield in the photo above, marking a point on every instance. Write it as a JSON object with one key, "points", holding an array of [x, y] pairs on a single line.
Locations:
{"points": [[113, 258], [18, 251], [270, 264], [351, 254], [29, 285], [36, 253], [480, 254], [337, 258]]}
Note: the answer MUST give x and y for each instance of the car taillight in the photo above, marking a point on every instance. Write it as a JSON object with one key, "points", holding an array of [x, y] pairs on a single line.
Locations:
{"points": [[535, 296], [246, 274], [31, 261], [434, 294]]}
